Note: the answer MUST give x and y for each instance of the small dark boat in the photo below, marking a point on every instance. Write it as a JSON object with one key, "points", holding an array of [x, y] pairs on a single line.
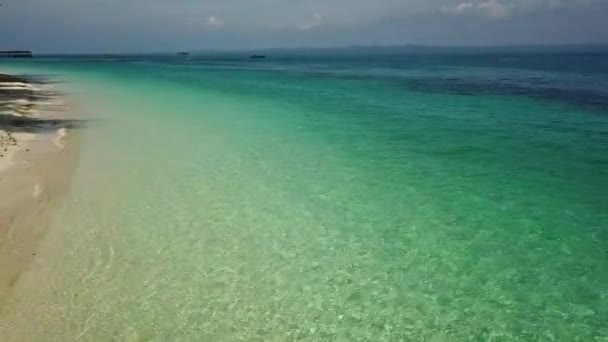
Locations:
{"points": [[183, 53], [257, 56]]}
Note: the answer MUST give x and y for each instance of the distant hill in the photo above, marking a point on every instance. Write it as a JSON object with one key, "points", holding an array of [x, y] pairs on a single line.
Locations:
{"points": [[400, 49]]}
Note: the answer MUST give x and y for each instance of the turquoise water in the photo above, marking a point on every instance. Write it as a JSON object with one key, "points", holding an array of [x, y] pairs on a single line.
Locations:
{"points": [[413, 197]]}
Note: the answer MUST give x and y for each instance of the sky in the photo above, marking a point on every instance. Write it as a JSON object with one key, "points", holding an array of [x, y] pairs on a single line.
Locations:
{"points": [[196, 25]]}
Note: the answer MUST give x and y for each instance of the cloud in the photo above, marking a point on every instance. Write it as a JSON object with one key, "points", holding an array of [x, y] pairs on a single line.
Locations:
{"points": [[494, 9], [462, 7], [152, 25], [489, 8], [504, 9], [215, 22], [316, 21]]}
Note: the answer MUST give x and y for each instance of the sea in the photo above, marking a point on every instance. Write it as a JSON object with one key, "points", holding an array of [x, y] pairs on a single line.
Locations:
{"points": [[327, 195]]}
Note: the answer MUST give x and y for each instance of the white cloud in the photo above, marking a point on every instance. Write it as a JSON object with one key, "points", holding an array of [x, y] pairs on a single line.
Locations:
{"points": [[323, 19], [487, 8], [316, 21], [215, 22], [463, 7], [503, 9], [495, 9], [457, 9]]}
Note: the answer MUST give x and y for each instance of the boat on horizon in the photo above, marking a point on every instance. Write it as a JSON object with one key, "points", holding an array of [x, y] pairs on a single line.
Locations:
{"points": [[254, 56]]}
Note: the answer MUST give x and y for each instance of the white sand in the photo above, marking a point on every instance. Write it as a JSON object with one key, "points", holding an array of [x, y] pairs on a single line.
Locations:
{"points": [[35, 165], [10, 147]]}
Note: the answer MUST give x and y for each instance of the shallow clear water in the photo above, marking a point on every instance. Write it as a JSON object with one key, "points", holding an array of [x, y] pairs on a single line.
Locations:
{"points": [[415, 197]]}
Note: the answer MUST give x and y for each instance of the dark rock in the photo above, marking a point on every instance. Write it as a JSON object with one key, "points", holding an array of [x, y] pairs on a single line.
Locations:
{"points": [[11, 79]]}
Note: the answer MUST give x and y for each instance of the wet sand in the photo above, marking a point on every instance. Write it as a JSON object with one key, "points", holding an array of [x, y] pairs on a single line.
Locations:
{"points": [[38, 152]]}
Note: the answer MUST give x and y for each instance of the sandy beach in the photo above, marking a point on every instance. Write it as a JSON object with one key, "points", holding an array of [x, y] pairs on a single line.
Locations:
{"points": [[37, 155]]}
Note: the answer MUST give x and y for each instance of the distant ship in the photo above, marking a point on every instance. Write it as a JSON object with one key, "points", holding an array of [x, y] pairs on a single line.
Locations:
{"points": [[257, 56], [183, 53]]}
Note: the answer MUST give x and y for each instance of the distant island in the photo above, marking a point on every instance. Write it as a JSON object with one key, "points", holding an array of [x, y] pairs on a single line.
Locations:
{"points": [[16, 54], [424, 49]]}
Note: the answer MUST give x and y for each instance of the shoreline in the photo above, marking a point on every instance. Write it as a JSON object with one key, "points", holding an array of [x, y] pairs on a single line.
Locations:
{"points": [[38, 153]]}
